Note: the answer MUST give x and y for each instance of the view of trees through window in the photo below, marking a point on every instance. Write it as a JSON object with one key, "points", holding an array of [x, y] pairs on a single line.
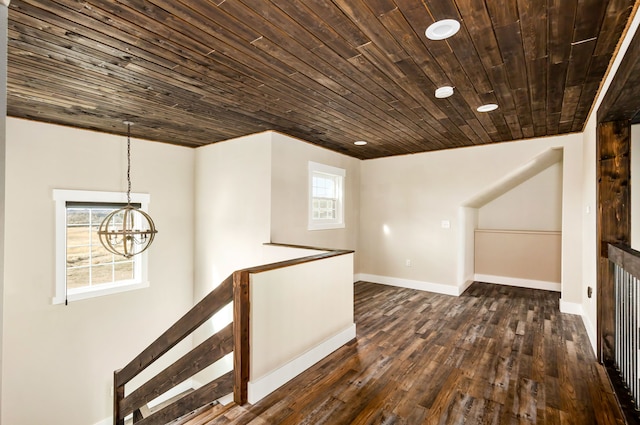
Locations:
{"points": [[88, 262]]}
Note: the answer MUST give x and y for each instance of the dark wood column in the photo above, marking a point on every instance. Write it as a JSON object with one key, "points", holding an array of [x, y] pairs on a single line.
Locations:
{"points": [[614, 219]]}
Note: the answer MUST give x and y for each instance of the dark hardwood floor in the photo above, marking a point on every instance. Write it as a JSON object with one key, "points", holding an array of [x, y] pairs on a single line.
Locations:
{"points": [[495, 355]]}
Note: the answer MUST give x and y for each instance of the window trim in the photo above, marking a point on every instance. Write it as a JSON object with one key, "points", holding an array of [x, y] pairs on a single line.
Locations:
{"points": [[61, 197], [323, 224]]}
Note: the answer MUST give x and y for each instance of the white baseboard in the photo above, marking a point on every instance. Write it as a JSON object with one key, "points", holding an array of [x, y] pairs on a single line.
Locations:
{"points": [[467, 282], [438, 288], [571, 308], [575, 308], [226, 399], [591, 332], [522, 283], [260, 388]]}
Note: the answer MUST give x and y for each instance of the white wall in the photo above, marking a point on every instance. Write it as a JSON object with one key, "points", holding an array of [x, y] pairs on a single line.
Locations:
{"points": [[405, 200], [536, 204], [299, 314], [232, 217], [4, 12], [572, 239], [290, 195], [232, 208], [289, 309], [59, 360], [589, 217]]}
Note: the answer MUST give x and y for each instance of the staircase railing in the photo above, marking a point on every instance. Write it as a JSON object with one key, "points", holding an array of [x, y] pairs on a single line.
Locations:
{"points": [[233, 338], [626, 271], [233, 288]]}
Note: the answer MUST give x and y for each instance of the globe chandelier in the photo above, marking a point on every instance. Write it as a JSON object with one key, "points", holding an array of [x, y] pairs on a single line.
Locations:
{"points": [[127, 231]]}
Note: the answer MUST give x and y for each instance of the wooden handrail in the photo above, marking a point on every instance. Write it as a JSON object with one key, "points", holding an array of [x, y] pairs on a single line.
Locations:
{"points": [[625, 257], [234, 338], [296, 261], [194, 318]]}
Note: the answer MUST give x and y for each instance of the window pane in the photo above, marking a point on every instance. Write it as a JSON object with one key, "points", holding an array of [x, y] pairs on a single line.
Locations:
{"points": [[99, 214], [324, 186], [324, 196], [77, 216], [78, 256], [101, 274], [99, 255], [77, 277], [124, 270], [88, 262], [78, 235], [324, 209]]}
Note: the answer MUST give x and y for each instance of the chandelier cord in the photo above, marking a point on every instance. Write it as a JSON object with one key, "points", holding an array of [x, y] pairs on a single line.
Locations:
{"points": [[129, 163]]}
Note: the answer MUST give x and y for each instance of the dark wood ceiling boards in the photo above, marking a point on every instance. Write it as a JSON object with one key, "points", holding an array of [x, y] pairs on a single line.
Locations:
{"points": [[194, 72], [622, 100]]}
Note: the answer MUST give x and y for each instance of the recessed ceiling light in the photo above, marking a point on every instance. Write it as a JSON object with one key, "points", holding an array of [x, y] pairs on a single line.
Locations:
{"points": [[444, 91], [360, 143], [440, 30], [487, 108]]}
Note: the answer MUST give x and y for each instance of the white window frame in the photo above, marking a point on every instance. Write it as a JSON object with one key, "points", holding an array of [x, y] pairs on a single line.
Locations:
{"points": [[63, 295], [339, 174]]}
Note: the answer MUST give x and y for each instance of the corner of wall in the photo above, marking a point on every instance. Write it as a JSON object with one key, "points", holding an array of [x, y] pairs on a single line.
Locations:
{"points": [[577, 309], [468, 219]]}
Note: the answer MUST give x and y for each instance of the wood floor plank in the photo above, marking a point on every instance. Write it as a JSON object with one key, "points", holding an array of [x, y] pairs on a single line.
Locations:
{"points": [[495, 355]]}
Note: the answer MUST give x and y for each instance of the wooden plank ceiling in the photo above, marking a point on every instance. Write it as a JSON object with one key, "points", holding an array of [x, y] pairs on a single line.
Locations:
{"points": [[194, 72]]}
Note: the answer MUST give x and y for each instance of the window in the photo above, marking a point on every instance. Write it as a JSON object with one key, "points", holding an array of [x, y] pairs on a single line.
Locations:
{"points": [[326, 197], [84, 268]]}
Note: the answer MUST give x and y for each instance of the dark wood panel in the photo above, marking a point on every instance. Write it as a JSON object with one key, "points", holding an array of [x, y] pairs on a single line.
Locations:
{"points": [[621, 101], [613, 221], [496, 354], [198, 72], [241, 336]]}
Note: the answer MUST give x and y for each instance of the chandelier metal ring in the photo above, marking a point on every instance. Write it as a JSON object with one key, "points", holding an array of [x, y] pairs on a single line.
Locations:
{"points": [[127, 231]]}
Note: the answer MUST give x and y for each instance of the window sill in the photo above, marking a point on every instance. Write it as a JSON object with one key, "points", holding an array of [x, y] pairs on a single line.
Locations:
{"points": [[325, 226], [98, 292]]}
